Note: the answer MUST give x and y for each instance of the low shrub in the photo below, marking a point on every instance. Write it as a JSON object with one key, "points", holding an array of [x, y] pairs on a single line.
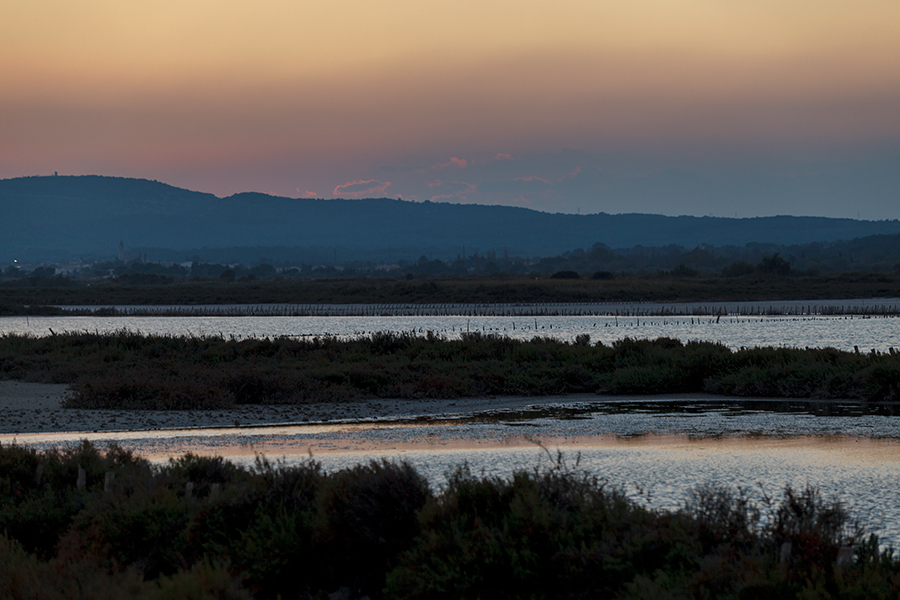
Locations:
{"points": [[377, 530], [131, 371]]}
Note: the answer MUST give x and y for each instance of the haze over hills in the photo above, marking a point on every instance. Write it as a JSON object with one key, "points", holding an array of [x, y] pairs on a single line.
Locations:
{"points": [[55, 218]]}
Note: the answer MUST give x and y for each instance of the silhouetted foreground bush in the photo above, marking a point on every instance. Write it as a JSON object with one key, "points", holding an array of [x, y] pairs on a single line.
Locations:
{"points": [[205, 528], [130, 370]]}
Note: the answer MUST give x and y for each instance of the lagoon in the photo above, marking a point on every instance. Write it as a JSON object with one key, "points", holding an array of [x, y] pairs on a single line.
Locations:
{"points": [[735, 331], [655, 448]]}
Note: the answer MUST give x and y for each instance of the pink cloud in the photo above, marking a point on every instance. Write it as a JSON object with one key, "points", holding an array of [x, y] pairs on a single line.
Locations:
{"points": [[533, 178], [574, 172], [308, 194], [360, 189], [501, 156], [454, 162]]}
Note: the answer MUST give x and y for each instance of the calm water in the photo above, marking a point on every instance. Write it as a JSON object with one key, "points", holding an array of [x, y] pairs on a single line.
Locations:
{"points": [[844, 333], [656, 450]]}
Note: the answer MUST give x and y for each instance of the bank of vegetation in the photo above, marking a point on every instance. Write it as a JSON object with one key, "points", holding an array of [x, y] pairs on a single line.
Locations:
{"points": [[134, 371], [40, 298], [81, 523]]}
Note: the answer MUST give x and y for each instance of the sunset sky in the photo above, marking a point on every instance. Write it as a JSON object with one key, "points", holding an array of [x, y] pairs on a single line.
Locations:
{"points": [[704, 107]]}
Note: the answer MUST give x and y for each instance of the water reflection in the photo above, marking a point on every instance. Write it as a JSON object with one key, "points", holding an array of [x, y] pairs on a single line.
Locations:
{"points": [[656, 450], [845, 333], [865, 476]]}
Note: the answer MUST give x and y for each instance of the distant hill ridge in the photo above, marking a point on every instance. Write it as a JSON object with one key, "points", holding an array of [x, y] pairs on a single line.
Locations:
{"points": [[58, 217]]}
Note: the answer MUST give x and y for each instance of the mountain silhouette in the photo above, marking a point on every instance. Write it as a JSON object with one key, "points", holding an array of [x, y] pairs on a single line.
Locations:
{"points": [[58, 217]]}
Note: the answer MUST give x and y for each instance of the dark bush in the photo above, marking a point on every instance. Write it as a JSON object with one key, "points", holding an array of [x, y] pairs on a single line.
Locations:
{"points": [[565, 275], [376, 530], [369, 515], [738, 269], [774, 265]]}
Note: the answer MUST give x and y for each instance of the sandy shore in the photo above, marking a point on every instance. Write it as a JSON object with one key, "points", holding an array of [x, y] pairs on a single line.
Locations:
{"points": [[37, 408]]}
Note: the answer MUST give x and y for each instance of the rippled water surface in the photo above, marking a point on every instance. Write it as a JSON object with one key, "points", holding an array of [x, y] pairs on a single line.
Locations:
{"points": [[844, 333], [657, 450]]}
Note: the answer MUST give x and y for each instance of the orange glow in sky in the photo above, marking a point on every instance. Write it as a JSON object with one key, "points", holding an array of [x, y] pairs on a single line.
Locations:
{"points": [[227, 96]]}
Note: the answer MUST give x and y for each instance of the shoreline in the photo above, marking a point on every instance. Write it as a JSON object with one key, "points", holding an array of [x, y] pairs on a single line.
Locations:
{"points": [[834, 307], [36, 408], [341, 441]]}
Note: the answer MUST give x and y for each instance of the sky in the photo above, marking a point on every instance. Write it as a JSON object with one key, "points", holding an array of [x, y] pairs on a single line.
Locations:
{"points": [[701, 107]]}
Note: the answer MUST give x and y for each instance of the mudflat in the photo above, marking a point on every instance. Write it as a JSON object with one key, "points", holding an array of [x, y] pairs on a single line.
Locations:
{"points": [[37, 408], [18, 395]]}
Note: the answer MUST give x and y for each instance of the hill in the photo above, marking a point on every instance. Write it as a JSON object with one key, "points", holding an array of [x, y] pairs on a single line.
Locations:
{"points": [[54, 218]]}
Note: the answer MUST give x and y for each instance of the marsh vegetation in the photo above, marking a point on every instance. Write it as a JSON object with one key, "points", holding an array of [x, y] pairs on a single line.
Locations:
{"points": [[35, 297], [82, 523], [133, 371]]}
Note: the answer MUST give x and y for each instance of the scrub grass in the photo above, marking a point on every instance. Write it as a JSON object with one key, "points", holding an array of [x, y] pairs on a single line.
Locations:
{"points": [[31, 298], [127, 370]]}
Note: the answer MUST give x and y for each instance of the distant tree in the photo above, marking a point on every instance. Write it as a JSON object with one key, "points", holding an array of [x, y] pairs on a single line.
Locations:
{"points": [[44, 272], [263, 271], [203, 270], [738, 269], [431, 267], [565, 275], [12, 272], [684, 271], [605, 275], [227, 275], [774, 265], [143, 279]]}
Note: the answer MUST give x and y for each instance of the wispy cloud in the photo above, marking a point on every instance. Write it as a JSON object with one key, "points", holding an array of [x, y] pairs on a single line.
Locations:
{"points": [[460, 163], [308, 194], [452, 189], [534, 178], [360, 189], [501, 156], [571, 174]]}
